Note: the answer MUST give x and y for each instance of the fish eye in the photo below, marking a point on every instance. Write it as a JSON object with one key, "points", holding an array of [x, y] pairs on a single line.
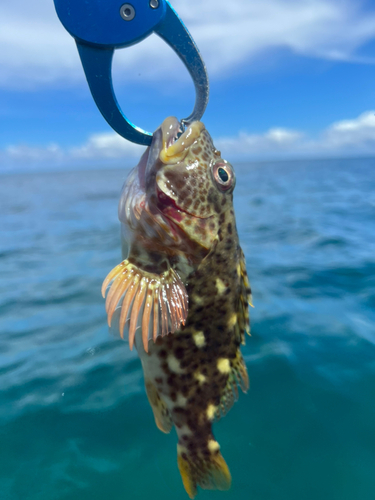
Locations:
{"points": [[223, 175]]}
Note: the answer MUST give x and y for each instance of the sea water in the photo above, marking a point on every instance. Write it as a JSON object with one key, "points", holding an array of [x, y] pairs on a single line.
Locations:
{"points": [[75, 423]]}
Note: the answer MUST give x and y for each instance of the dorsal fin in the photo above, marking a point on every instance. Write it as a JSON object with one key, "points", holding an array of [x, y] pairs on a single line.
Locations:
{"points": [[244, 300], [237, 377]]}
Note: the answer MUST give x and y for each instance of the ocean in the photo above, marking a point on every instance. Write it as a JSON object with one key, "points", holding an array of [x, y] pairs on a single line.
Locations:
{"points": [[75, 423]]}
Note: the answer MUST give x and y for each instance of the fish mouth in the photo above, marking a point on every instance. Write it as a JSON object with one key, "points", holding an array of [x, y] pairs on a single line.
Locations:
{"points": [[175, 142], [174, 146], [170, 146], [168, 206]]}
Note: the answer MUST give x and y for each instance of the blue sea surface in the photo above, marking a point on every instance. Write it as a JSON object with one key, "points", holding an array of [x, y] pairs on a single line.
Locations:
{"points": [[75, 423]]}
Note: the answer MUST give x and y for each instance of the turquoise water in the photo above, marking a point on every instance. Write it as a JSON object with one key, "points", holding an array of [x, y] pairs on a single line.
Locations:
{"points": [[74, 418]]}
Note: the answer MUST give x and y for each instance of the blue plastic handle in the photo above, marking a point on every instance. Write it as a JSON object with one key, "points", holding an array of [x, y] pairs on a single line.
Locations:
{"points": [[99, 27]]}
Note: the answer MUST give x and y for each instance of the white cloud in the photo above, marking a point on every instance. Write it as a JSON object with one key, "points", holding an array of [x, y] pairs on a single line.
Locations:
{"points": [[36, 50], [18, 153], [106, 145], [274, 141], [347, 137], [101, 149], [352, 134]]}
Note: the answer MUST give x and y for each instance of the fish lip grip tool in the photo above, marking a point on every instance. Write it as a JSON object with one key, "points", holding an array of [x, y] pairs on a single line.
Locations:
{"points": [[101, 26]]}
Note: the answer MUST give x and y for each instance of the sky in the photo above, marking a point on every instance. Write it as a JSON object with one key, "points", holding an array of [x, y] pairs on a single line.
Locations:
{"points": [[289, 79]]}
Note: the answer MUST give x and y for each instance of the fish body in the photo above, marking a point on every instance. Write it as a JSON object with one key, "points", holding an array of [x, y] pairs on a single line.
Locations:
{"points": [[183, 292]]}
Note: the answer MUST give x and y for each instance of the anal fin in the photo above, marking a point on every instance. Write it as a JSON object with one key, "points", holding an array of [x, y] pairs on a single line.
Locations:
{"points": [[161, 413]]}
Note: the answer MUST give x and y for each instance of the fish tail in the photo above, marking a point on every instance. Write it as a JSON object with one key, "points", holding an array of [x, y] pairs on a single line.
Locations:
{"points": [[207, 469]]}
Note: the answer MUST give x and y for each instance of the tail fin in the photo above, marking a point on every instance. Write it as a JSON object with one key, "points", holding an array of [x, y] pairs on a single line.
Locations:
{"points": [[208, 470]]}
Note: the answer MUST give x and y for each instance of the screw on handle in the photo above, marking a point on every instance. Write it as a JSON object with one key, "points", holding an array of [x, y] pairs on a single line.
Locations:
{"points": [[127, 12]]}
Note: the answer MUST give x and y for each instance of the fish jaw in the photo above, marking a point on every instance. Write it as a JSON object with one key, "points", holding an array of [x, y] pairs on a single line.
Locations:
{"points": [[176, 148], [201, 230], [138, 211]]}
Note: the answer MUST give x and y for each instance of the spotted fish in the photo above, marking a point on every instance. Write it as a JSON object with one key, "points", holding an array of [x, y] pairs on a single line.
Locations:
{"points": [[181, 295]]}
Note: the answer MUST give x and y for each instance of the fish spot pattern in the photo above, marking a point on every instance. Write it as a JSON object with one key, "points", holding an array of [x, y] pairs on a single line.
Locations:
{"points": [[174, 364], [199, 339], [211, 410], [220, 285], [223, 365], [213, 445]]}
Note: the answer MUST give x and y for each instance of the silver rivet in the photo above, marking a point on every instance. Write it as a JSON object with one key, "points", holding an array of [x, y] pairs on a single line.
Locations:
{"points": [[154, 4], [127, 12]]}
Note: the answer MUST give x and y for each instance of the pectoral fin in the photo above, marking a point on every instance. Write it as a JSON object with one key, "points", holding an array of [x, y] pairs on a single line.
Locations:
{"points": [[158, 303]]}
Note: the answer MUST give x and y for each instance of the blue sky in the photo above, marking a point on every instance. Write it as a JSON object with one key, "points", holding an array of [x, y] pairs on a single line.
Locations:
{"points": [[289, 79]]}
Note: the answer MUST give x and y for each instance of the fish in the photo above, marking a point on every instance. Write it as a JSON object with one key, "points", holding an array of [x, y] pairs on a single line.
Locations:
{"points": [[181, 295]]}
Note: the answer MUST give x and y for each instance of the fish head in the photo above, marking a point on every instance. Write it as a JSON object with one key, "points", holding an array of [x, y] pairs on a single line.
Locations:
{"points": [[179, 189], [194, 185]]}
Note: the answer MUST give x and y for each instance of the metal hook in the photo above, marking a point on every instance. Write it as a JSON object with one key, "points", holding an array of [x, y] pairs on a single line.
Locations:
{"points": [[101, 26]]}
